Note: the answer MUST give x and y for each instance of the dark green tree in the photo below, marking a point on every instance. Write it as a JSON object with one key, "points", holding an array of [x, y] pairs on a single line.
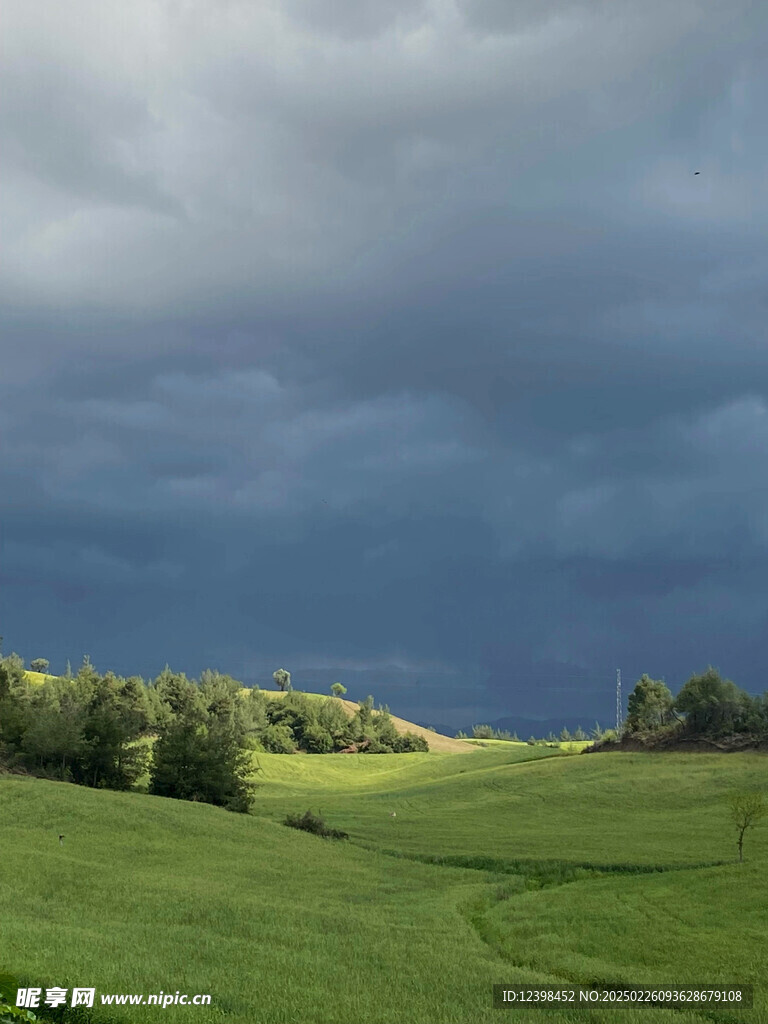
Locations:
{"points": [[714, 706], [199, 756], [39, 665], [649, 705]]}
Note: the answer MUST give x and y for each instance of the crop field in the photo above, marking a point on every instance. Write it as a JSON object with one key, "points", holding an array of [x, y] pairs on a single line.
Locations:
{"points": [[511, 864]]}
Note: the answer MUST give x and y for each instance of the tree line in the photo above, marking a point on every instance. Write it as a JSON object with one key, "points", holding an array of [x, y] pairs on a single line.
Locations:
{"points": [[487, 732], [707, 707], [176, 737]]}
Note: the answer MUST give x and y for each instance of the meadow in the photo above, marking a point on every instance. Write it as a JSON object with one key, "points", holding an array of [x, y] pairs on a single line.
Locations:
{"points": [[510, 863]]}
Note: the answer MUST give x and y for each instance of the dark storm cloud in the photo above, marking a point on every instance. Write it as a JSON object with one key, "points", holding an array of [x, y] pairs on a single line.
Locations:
{"points": [[387, 338]]}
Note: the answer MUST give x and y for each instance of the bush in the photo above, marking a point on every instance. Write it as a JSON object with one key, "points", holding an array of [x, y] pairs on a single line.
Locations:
{"points": [[278, 739], [309, 822], [317, 740], [375, 746], [409, 743]]}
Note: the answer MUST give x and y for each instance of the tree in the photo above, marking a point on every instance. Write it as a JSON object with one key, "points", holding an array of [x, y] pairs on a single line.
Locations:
{"points": [[199, 756], [713, 706], [282, 679], [410, 743], [11, 674], [565, 736], [362, 721], [649, 705], [39, 665], [332, 717], [338, 690], [579, 734], [278, 739], [746, 810], [597, 732], [112, 722]]}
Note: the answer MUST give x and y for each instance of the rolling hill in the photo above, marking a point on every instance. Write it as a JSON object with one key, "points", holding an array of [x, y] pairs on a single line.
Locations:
{"points": [[519, 864]]}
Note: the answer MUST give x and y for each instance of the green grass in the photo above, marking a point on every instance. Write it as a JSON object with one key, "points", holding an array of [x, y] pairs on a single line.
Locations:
{"points": [[519, 864], [38, 678], [571, 746]]}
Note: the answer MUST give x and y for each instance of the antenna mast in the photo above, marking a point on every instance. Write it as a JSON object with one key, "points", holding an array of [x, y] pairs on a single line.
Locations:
{"points": [[618, 701]]}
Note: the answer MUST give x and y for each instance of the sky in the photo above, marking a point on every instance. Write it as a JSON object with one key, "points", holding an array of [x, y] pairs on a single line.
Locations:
{"points": [[394, 343]]}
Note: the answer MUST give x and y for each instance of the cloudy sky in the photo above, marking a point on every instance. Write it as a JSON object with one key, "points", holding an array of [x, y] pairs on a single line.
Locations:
{"points": [[388, 341]]}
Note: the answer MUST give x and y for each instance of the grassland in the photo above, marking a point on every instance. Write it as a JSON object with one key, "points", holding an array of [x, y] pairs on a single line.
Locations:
{"points": [[517, 864], [38, 678]]}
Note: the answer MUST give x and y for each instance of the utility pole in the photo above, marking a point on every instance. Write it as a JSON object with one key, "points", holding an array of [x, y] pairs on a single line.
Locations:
{"points": [[619, 715]]}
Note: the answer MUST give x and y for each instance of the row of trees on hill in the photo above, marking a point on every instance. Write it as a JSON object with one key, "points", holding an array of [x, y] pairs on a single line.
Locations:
{"points": [[487, 732], [179, 737], [707, 707]]}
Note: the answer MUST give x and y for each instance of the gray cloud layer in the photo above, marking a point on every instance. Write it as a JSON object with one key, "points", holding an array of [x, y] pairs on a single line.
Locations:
{"points": [[368, 334]]}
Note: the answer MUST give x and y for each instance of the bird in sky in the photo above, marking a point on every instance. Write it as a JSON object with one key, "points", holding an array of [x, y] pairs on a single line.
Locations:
{"points": [[697, 172]]}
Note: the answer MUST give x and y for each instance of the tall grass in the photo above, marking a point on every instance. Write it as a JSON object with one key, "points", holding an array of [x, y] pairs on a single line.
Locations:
{"points": [[519, 865]]}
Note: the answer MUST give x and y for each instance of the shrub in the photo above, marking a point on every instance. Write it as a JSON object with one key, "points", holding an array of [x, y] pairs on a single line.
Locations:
{"points": [[317, 740], [309, 822], [410, 743], [278, 739], [375, 746]]}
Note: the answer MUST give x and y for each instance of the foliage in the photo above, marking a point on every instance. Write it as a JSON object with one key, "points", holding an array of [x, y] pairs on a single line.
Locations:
{"points": [[9, 1012], [83, 730], [649, 705], [278, 739], [338, 689], [200, 752], [746, 810], [309, 822], [487, 732], [282, 679], [714, 706], [39, 665], [410, 743]]}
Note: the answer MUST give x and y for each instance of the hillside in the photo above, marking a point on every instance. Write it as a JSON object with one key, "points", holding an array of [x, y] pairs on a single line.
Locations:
{"points": [[544, 867], [437, 742]]}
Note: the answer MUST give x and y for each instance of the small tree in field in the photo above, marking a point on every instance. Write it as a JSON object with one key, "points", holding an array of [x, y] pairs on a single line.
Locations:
{"points": [[746, 811], [39, 665], [338, 690], [282, 679]]}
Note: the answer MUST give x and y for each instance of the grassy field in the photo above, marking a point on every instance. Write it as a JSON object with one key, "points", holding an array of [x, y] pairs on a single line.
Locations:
{"points": [[38, 678], [517, 864]]}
